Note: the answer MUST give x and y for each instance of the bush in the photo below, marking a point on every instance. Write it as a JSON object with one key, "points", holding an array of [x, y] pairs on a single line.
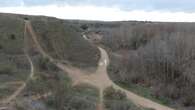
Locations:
{"points": [[12, 37], [25, 18], [188, 101], [117, 100], [84, 27], [70, 99], [45, 64], [6, 69], [80, 103], [117, 105], [111, 93]]}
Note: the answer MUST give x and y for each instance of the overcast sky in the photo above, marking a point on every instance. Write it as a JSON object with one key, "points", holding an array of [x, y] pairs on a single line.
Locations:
{"points": [[107, 10]]}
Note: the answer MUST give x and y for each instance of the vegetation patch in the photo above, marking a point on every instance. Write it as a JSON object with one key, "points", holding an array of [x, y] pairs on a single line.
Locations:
{"points": [[63, 42], [117, 100], [146, 92]]}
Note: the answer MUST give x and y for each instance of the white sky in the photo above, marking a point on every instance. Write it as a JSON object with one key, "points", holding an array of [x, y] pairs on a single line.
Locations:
{"points": [[100, 13]]}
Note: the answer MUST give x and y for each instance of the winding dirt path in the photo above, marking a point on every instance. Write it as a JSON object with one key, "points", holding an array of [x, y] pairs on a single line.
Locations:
{"points": [[15, 83], [21, 88], [12, 97], [8, 100], [99, 79]]}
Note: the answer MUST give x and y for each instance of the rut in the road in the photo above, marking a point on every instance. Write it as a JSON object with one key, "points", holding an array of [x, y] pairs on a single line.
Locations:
{"points": [[99, 79]]}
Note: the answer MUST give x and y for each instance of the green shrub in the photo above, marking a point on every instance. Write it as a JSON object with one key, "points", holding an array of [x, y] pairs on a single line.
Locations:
{"points": [[12, 37], [117, 100], [111, 93], [6, 69], [45, 64], [84, 27]]}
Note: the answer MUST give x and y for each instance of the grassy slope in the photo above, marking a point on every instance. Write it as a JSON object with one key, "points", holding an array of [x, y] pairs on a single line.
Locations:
{"points": [[11, 26], [13, 64], [49, 78], [59, 38], [64, 41]]}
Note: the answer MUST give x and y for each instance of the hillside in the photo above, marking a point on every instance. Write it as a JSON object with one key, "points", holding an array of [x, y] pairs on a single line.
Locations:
{"points": [[14, 66], [18, 56], [64, 41], [51, 31], [53, 64], [41, 57]]}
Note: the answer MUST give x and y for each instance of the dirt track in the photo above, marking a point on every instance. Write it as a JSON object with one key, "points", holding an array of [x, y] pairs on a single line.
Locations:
{"points": [[5, 102], [99, 79], [12, 97], [19, 90]]}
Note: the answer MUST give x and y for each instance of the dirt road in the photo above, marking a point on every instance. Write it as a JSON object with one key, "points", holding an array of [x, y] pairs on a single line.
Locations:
{"points": [[4, 104], [99, 79], [12, 97], [21, 88]]}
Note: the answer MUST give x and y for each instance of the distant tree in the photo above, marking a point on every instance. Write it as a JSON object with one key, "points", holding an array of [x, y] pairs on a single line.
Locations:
{"points": [[111, 93], [12, 37], [25, 18], [84, 27]]}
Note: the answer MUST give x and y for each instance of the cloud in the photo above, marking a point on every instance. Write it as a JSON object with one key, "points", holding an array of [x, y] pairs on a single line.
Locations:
{"points": [[147, 5], [100, 13]]}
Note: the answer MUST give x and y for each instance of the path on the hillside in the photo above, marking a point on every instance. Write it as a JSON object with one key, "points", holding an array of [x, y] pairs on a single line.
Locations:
{"points": [[15, 83], [99, 79], [20, 89], [12, 97]]}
